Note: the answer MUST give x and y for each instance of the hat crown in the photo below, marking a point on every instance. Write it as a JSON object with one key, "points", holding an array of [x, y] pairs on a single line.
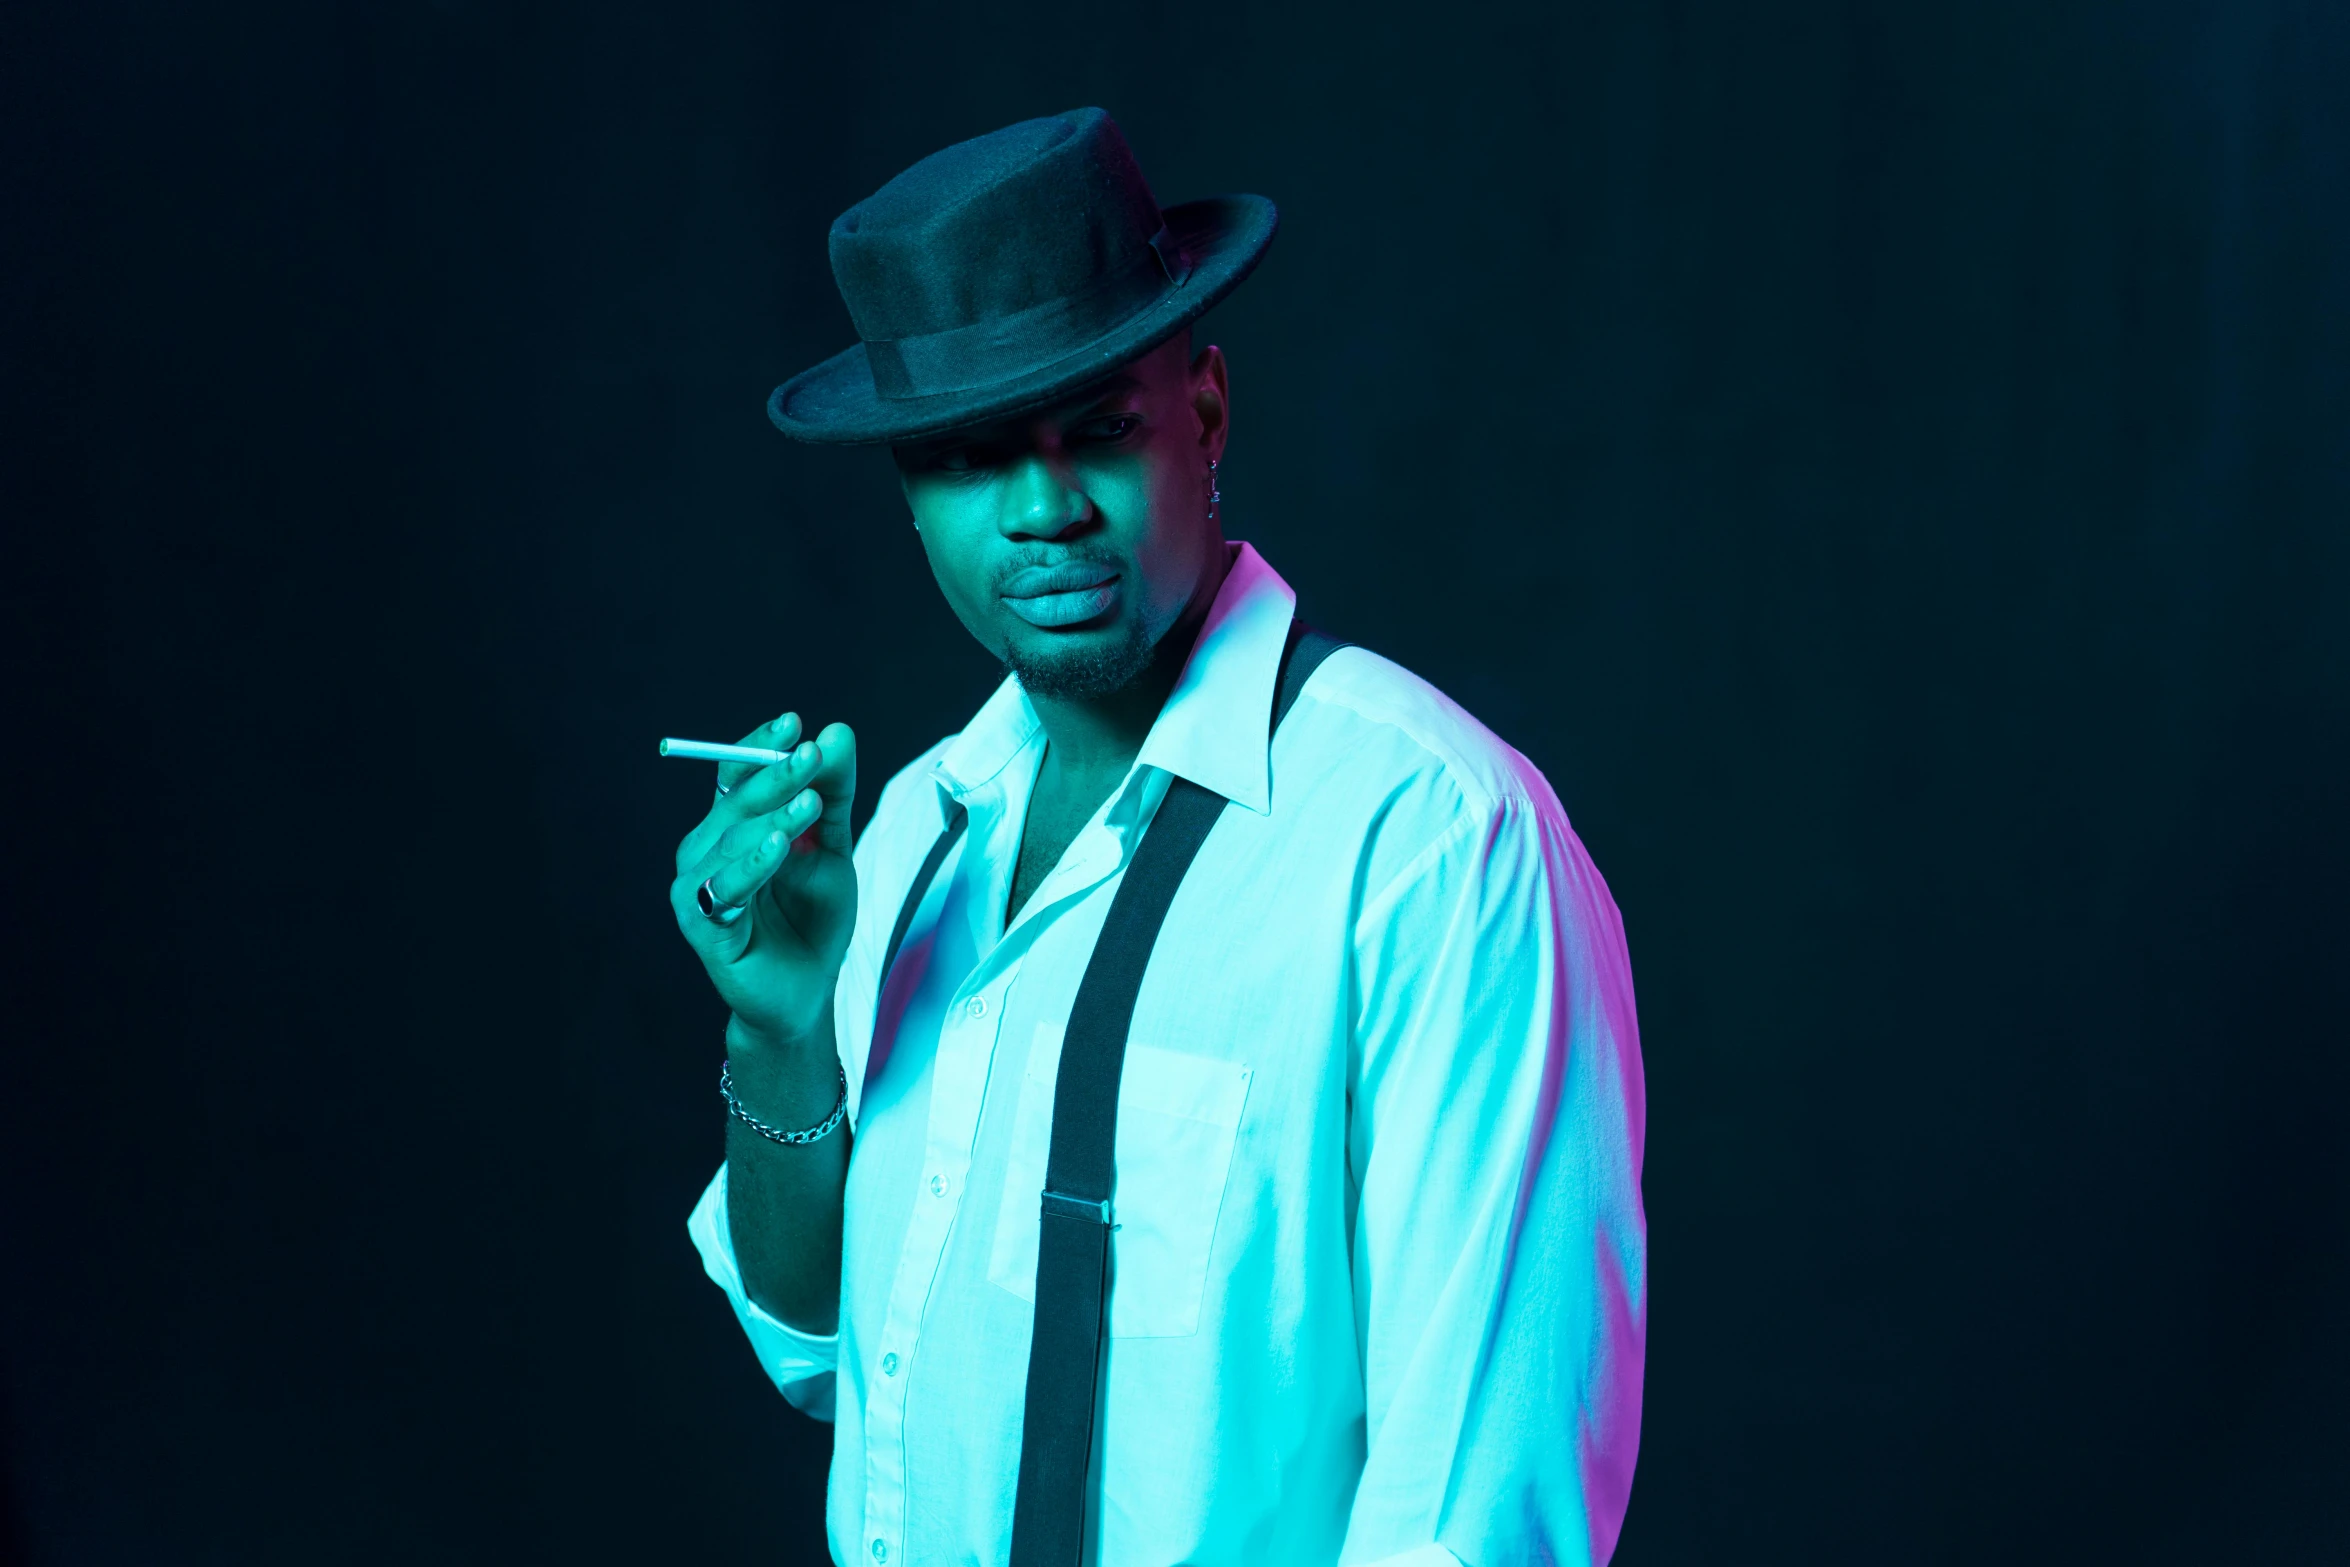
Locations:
{"points": [[1000, 225], [1008, 271]]}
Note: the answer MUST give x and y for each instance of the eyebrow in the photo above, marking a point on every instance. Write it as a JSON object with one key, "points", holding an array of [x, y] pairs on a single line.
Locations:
{"points": [[1123, 381], [1093, 396]]}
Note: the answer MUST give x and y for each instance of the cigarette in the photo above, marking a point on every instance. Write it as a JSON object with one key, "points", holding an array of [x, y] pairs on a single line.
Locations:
{"points": [[712, 751]]}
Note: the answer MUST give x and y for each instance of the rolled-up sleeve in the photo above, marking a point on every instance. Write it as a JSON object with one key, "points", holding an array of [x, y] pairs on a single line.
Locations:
{"points": [[1500, 1263], [800, 1364]]}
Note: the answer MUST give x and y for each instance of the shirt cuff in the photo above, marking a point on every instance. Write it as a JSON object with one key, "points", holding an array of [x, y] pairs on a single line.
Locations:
{"points": [[800, 1364]]}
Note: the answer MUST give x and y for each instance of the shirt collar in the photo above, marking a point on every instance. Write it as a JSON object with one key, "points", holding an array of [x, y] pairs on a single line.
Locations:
{"points": [[1215, 727]]}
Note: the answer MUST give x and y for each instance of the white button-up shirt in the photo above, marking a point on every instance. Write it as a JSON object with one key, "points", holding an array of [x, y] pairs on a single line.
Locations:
{"points": [[1380, 1272]]}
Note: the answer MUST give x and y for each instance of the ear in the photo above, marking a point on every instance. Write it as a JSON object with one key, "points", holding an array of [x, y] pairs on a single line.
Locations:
{"points": [[906, 486], [1211, 399]]}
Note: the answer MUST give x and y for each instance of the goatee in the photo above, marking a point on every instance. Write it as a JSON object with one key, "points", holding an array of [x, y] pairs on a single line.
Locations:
{"points": [[1081, 674]]}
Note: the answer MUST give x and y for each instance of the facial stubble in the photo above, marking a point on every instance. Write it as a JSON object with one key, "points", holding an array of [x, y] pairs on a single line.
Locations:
{"points": [[1084, 673]]}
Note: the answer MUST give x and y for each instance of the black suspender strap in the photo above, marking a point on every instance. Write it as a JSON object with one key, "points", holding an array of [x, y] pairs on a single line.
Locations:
{"points": [[1073, 1245], [1299, 655], [1073, 1241], [957, 820]]}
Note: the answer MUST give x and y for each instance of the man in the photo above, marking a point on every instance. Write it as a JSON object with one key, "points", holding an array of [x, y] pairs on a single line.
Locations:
{"points": [[1374, 1256]]}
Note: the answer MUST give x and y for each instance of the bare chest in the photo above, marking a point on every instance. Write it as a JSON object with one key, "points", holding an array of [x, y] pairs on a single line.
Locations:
{"points": [[1056, 814]]}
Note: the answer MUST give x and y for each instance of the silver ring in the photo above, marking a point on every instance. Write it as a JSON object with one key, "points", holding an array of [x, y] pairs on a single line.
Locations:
{"points": [[712, 909], [724, 790]]}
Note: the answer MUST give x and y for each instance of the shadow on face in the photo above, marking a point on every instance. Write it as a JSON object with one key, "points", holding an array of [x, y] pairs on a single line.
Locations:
{"points": [[1071, 540]]}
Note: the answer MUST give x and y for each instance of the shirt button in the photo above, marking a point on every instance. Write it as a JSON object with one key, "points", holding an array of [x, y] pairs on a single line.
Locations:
{"points": [[881, 1550], [976, 1006], [938, 1186], [889, 1364]]}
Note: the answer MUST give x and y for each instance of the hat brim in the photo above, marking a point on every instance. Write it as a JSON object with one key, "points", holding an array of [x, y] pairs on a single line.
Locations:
{"points": [[835, 403]]}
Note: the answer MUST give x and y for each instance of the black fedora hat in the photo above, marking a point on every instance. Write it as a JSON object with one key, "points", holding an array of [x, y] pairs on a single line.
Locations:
{"points": [[1007, 270]]}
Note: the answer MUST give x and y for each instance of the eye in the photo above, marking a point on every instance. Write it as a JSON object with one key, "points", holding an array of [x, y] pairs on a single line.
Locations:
{"points": [[1107, 431]]}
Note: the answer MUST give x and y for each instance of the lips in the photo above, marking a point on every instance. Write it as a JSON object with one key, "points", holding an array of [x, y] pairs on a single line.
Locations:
{"points": [[1070, 594], [1070, 577]]}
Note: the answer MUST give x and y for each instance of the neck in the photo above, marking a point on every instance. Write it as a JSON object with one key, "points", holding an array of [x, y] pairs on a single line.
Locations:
{"points": [[1090, 737]]}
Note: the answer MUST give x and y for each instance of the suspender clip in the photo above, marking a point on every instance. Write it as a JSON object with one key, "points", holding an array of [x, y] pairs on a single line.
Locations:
{"points": [[1069, 1207]]}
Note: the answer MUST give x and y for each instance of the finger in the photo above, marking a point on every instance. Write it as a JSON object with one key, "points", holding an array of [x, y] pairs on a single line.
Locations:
{"points": [[737, 819], [793, 816], [736, 871], [835, 783], [778, 735], [767, 789], [738, 880]]}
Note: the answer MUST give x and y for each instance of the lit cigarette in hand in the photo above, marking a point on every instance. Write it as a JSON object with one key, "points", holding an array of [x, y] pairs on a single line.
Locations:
{"points": [[711, 751]]}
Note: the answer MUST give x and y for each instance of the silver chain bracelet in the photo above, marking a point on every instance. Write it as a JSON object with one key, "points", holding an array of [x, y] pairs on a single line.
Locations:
{"points": [[776, 1134]]}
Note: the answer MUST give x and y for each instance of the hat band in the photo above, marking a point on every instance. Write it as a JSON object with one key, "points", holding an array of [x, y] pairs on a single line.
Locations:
{"points": [[985, 353]]}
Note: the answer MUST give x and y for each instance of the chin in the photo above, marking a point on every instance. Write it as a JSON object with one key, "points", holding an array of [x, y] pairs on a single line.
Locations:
{"points": [[1079, 663]]}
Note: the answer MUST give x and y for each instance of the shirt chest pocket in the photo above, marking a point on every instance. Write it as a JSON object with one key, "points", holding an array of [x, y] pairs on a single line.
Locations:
{"points": [[1178, 1119]]}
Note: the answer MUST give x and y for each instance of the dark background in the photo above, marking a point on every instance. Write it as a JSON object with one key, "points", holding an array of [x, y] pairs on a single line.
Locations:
{"points": [[1885, 462]]}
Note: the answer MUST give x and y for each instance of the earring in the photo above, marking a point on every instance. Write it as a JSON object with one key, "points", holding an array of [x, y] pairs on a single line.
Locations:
{"points": [[1215, 494]]}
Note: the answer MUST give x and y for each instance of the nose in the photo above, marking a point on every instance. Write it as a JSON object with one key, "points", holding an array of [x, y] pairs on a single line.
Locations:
{"points": [[1041, 501]]}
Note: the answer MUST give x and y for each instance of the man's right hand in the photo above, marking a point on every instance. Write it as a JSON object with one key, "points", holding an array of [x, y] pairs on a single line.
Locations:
{"points": [[778, 843]]}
